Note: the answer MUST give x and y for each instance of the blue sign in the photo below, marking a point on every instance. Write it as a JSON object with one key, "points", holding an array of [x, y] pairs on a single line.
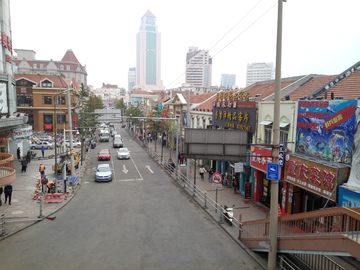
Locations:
{"points": [[273, 171]]}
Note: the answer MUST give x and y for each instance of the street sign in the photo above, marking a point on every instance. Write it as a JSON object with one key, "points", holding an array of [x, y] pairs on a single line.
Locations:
{"points": [[273, 171], [216, 178], [239, 167]]}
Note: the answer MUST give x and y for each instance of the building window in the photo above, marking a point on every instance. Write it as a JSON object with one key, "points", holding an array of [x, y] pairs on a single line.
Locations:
{"points": [[48, 119], [62, 67], [24, 100], [284, 134], [60, 100], [35, 65], [268, 133], [41, 65], [61, 119], [46, 84], [67, 67], [47, 100]]}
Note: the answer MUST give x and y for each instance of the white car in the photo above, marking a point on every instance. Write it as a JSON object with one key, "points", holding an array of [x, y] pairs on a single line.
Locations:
{"points": [[123, 153], [39, 145], [103, 172], [75, 143]]}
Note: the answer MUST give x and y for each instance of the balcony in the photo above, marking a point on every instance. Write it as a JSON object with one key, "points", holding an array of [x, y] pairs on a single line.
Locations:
{"points": [[7, 170]]}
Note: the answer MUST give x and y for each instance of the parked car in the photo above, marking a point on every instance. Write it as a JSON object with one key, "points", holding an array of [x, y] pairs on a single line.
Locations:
{"points": [[118, 143], [104, 154], [76, 144], [39, 145], [123, 153], [103, 172]]}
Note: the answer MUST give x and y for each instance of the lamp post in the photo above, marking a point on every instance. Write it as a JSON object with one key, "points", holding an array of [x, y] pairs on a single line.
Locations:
{"points": [[55, 127], [71, 136]]}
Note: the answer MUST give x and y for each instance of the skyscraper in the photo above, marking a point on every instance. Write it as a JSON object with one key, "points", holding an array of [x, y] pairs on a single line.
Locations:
{"points": [[198, 67], [257, 72], [148, 55], [228, 80]]}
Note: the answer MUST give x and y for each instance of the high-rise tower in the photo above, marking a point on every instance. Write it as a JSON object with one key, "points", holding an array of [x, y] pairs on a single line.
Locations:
{"points": [[198, 67], [148, 55]]}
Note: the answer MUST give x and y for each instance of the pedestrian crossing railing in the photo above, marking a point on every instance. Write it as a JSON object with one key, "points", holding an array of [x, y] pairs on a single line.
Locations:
{"points": [[2, 224]]}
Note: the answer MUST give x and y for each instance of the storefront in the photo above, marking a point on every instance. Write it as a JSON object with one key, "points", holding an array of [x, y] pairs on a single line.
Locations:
{"points": [[312, 184], [260, 157]]}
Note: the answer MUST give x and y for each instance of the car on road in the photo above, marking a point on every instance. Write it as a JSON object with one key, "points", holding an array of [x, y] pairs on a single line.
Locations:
{"points": [[39, 145], [103, 172], [123, 153], [104, 154], [118, 143]]}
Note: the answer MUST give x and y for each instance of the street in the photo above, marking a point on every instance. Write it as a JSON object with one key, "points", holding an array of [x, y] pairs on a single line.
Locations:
{"points": [[140, 220]]}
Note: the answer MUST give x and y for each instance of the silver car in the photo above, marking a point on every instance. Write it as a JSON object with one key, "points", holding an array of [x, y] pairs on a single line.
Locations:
{"points": [[103, 172], [39, 145]]}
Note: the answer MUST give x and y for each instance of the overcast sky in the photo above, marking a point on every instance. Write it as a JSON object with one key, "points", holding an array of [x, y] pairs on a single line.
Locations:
{"points": [[319, 36]]}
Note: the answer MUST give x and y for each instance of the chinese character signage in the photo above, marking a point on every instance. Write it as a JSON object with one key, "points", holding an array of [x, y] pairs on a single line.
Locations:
{"points": [[325, 129], [260, 157], [234, 111], [315, 177]]}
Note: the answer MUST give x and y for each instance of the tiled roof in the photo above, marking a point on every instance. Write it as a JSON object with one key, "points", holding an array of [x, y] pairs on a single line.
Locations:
{"points": [[70, 57], [58, 81], [261, 91], [309, 87], [348, 88]]}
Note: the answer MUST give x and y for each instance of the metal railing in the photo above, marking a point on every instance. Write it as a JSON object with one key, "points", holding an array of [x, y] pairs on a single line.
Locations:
{"points": [[199, 195], [319, 261]]}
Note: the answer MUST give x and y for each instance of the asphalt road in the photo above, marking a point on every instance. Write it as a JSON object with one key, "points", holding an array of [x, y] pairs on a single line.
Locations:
{"points": [[140, 220]]}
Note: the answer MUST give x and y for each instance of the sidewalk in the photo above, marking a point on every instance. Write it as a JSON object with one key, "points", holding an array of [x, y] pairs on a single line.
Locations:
{"points": [[226, 196], [24, 210]]}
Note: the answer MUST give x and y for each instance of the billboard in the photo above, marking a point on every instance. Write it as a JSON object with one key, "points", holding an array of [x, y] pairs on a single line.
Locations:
{"points": [[216, 144], [325, 129]]}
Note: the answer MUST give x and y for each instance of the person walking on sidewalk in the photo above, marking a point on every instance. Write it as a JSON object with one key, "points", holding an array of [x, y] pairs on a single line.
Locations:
{"points": [[28, 156], [42, 151], [211, 172], [8, 192], [24, 164], [42, 170], [18, 152], [44, 182], [201, 172], [235, 183]]}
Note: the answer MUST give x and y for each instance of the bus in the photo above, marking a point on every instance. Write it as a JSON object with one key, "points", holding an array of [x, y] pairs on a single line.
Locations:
{"points": [[104, 135]]}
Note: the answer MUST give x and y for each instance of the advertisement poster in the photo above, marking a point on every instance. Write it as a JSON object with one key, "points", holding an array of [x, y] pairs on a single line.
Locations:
{"points": [[354, 178], [325, 129]]}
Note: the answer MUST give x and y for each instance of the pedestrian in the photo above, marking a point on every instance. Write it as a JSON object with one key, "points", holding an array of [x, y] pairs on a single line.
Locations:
{"points": [[43, 150], [24, 164], [42, 170], [1, 191], [44, 182], [201, 172], [211, 172], [18, 153], [8, 192], [181, 158], [51, 186], [235, 183], [28, 156], [171, 165]]}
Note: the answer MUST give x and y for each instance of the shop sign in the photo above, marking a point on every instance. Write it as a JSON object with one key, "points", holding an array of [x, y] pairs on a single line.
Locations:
{"points": [[260, 157], [315, 177], [281, 154], [235, 111]]}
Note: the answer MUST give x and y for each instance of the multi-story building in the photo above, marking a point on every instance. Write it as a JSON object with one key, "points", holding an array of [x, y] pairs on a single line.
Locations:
{"points": [[13, 128], [228, 80], [131, 78], [41, 97], [257, 72], [69, 66], [198, 67], [148, 56]]}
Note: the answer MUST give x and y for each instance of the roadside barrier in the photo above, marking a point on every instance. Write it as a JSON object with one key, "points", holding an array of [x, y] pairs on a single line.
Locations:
{"points": [[53, 197]]}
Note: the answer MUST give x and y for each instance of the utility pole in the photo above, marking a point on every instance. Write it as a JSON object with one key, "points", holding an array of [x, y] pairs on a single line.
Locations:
{"points": [[276, 139]]}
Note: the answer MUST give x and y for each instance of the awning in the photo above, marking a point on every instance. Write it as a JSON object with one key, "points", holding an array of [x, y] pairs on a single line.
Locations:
{"points": [[265, 123], [283, 124]]}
